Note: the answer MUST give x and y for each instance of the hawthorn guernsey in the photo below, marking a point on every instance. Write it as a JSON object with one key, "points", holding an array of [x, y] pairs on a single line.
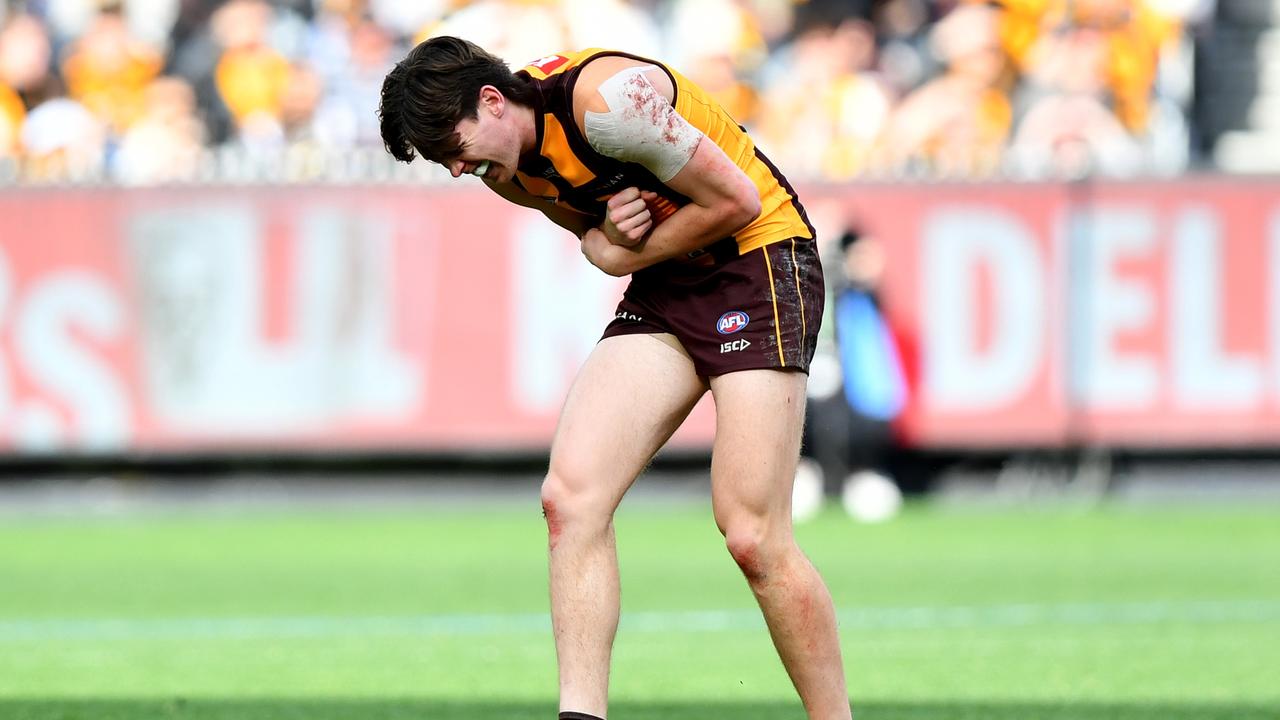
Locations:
{"points": [[657, 183]]}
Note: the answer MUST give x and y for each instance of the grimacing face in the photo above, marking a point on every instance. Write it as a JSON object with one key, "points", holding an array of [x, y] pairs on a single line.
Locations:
{"points": [[490, 142]]}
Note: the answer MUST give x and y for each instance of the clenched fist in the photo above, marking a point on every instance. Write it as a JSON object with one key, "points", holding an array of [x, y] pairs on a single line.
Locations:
{"points": [[627, 217]]}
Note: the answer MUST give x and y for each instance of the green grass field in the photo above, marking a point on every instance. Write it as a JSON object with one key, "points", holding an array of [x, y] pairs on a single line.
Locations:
{"points": [[1165, 613]]}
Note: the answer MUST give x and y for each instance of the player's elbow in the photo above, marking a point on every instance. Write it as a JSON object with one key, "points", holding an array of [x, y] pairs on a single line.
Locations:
{"points": [[744, 208], [740, 206]]}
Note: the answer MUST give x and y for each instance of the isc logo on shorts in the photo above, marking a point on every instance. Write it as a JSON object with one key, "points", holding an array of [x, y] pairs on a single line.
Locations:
{"points": [[731, 322], [734, 346]]}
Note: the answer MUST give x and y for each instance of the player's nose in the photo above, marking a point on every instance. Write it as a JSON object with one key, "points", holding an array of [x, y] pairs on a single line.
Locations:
{"points": [[456, 168]]}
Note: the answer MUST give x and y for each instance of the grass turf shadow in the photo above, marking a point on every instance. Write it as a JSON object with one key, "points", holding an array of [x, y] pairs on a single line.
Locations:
{"points": [[426, 709]]}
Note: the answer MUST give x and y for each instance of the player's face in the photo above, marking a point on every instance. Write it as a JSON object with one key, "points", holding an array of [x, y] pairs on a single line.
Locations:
{"points": [[490, 144]]}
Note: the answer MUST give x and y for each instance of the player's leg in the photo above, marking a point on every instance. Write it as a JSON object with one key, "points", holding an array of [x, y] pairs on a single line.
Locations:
{"points": [[630, 396], [759, 416]]}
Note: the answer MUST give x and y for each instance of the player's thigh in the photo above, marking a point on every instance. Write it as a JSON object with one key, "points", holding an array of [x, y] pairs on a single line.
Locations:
{"points": [[629, 397], [759, 421]]}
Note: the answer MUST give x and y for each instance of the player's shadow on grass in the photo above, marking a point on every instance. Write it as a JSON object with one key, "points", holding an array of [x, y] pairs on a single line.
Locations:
{"points": [[424, 709]]}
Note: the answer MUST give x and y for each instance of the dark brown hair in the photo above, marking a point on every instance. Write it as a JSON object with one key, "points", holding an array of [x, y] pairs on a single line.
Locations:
{"points": [[436, 86]]}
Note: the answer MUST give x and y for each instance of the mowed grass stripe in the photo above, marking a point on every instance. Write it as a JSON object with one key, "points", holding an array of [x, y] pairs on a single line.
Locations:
{"points": [[922, 618]]}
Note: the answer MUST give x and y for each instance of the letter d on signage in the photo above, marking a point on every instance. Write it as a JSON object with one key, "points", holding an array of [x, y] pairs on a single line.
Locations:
{"points": [[964, 371]]}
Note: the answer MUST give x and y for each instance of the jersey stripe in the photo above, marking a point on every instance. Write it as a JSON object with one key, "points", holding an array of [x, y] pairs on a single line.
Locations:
{"points": [[555, 147], [795, 266], [773, 296]]}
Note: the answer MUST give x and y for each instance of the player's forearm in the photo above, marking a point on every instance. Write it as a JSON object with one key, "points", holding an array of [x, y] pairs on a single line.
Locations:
{"points": [[577, 226], [691, 228], [576, 223]]}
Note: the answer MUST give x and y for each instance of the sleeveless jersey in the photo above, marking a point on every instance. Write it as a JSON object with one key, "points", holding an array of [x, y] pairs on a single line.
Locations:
{"points": [[570, 173]]}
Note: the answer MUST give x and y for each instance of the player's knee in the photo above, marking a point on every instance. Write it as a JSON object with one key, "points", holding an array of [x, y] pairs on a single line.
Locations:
{"points": [[747, 545], [567, 499], [555, 499]]}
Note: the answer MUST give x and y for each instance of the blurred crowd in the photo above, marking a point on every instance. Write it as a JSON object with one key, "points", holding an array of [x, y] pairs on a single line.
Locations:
{"points": [[156, 91]]}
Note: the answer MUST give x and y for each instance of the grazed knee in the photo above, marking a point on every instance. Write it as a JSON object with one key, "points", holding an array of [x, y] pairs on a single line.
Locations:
{"points": [[747, 547], [551, 512], [569, 505]]}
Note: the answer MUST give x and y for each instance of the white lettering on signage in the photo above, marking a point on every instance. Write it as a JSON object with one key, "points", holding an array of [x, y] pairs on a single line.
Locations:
{"points": [[209, 368], [1205, 375], [1109, 305], [61, 305], [958, 244], [346, 324], [79, 402]]}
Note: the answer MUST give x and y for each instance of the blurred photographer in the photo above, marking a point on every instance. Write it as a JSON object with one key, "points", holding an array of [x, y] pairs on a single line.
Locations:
{"points": [[857, 389]]}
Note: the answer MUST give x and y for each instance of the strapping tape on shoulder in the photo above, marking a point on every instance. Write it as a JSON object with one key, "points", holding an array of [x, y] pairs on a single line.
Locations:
{"points": [[641, 125]]}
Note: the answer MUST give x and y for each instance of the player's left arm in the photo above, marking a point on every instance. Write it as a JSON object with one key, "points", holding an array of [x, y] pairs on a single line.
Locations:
{"points": [[575, 222], [626, 113]]}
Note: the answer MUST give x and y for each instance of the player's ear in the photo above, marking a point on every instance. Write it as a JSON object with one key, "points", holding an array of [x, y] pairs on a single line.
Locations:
{"points": [[492, 100]]}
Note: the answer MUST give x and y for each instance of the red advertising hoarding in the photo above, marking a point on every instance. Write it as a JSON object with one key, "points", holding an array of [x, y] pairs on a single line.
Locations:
{"points": [[442, 318]]}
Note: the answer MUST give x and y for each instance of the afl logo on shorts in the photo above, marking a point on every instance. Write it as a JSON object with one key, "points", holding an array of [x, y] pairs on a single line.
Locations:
{"points": [[731, 322]]}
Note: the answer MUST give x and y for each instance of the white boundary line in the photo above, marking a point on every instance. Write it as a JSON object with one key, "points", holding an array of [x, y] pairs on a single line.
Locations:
{"points": [[907, 618]]}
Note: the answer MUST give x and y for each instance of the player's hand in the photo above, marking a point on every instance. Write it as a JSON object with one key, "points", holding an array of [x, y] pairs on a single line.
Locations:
{"points": [[614, 260], [627, 219]]}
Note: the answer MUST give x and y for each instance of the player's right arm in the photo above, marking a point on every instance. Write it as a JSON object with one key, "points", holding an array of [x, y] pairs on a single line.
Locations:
{"points": [[624, 109], [575, 222]]}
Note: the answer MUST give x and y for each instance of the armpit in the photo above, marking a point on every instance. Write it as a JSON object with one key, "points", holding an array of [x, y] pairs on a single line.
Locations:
{"points": [[641, 125]]}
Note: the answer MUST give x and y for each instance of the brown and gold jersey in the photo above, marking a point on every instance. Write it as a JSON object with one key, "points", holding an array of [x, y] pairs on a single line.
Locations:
{"points": [[568, 172]]}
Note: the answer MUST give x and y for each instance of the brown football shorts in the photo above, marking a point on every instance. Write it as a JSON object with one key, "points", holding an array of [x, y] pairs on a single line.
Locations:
{"points": [[732, 312]]}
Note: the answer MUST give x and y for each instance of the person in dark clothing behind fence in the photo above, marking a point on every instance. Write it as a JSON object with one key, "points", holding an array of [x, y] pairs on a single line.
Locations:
{"points": [[857, 389]]}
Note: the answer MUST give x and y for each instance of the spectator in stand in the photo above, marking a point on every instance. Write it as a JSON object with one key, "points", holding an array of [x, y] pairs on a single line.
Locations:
{"points": [[1140, 36], [1069, 129], [1132, 33], [857, 389], [298, 107], [12, 113], [902, 27], [24, 67], [405, 18], [720, 46], [250, 75], [25, 54], [831, 13], [1132, 39], [61, 139], [612, 24], [149, 21], [344, 119], [957, 124], [827, 109], [1086, 80], [329, 40], [57, 138], [194, 58], [107, 70], [519, 30], [164, 144]]}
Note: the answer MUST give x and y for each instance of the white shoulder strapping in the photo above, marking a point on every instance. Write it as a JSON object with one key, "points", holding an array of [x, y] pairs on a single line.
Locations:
{"points": [[641, 125]]}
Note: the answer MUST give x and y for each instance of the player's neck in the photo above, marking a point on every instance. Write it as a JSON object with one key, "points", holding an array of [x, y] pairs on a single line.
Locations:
{"points": [[527, 126]]}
